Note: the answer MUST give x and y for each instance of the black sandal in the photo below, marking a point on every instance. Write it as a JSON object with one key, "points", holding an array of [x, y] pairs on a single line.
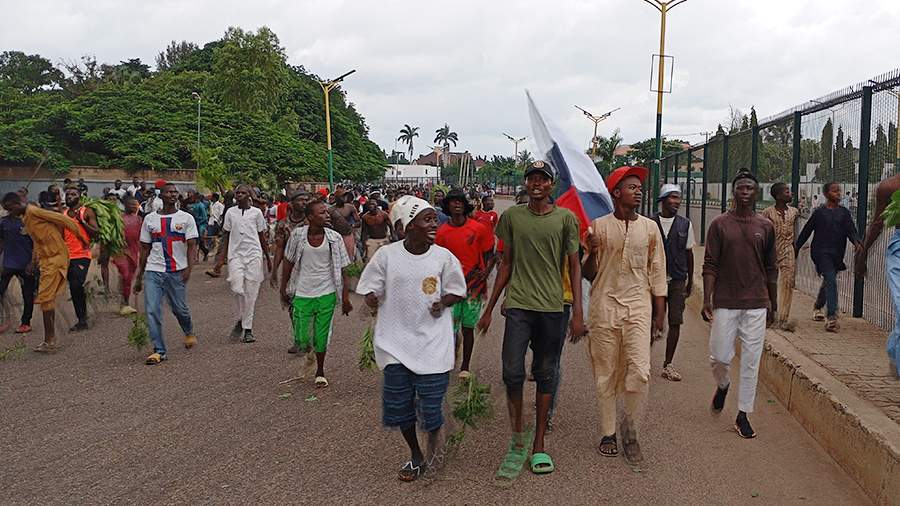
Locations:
{"points": [[410, 472], [609, 447]]}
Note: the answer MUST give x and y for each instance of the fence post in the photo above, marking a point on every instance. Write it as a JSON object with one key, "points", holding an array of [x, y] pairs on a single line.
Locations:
{"points": [[862, 188], [703, 190], [675, 170], [795, 159], [665, 168], [754, 150], [687, 186], [724, 194]]}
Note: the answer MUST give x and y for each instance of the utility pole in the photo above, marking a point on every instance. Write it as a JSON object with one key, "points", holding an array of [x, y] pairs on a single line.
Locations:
{"points": [[327, 86], [196, 96], [663, 7], [596, 120], [516, 150]]}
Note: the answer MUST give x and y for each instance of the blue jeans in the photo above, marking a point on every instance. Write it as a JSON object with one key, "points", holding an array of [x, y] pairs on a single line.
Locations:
{"points": [[170, 284], [892, 265], [828, 294]]}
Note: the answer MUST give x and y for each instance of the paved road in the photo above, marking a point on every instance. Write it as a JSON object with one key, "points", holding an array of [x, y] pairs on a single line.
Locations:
{"points": [[92, 424]]}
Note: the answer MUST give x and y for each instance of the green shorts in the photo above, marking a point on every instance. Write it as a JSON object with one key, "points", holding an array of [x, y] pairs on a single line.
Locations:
{"points": [[312, 319], [467, 312]]}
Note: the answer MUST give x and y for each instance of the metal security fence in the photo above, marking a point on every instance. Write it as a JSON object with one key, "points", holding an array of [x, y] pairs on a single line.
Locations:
{"points": [[849, 136]]}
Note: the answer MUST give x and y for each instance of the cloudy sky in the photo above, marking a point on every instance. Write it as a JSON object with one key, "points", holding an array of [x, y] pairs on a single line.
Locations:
{"points": [[468, 62]]}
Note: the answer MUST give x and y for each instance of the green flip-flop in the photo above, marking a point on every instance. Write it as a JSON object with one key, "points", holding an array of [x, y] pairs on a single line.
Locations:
{"points": [[516, 457], [541, 463]]}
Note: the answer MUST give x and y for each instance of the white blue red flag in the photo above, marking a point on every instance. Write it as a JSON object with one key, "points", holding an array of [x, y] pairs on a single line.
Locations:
{"points": [[579, 185]]}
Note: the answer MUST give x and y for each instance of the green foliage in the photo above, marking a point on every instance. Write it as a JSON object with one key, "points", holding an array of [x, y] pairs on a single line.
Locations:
{"points": [[644, 152], [250, 70], [260, 119], [175, 54], [27, 73], [823, 171], [211, 173], [471, 403], [354, 270], [891, 213], [367, 350], [139, 335], [109, 220]]}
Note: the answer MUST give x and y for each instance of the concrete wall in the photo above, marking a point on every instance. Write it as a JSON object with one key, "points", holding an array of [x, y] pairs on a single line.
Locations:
{"points": [[96, 178]]}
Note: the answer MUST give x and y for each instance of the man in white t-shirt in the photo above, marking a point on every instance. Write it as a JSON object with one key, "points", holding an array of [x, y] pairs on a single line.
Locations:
{"points": [[678, 237], [244, 229], [411, 283], [120, 193], [135, 187], [315, 259], [168, 249]]}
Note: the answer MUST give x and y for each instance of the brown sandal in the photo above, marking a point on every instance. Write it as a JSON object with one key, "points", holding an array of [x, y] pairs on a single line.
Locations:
{"points": [[609, 447]]}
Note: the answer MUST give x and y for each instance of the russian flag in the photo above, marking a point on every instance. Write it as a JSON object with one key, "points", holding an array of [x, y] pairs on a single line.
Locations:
{"points": [[580, 188]]}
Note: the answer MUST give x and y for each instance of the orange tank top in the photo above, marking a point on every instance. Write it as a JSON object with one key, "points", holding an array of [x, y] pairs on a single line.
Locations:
{"points": [[76, 248]]}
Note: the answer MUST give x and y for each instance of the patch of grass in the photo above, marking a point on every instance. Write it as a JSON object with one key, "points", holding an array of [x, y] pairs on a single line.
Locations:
{"points": [[16, 351]]}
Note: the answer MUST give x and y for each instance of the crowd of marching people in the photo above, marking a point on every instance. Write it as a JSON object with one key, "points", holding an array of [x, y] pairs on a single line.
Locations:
{"points": [[436, 263]]}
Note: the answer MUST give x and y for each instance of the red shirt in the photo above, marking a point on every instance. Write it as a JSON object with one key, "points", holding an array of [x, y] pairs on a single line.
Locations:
{"points": [[489, 218], [468, 244], [281, 210]]}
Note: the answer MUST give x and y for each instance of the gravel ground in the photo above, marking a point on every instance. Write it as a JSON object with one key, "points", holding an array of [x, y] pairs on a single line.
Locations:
{"points": [[92, 424]]}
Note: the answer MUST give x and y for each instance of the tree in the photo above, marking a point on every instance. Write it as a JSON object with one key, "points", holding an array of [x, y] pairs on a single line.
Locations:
{"points": [[839, 152], [127, 72], [250, 70], [880, 155], [407, 134], [83, 76], [606, 153], [445, 137], [823, 171], [737, 120], [28, 73], [525, 158], [174, 54], [644, 153]]}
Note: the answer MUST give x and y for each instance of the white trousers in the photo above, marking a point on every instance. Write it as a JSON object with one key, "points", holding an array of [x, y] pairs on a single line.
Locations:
{"points": [[727, 326], [245, 278]]}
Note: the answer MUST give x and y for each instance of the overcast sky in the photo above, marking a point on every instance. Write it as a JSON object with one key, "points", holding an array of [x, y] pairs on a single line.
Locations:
{"points": [[468, 62]]}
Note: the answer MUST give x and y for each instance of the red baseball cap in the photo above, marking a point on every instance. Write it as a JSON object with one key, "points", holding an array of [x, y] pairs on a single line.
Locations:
{"points": [[159, 184], [612, 180]]}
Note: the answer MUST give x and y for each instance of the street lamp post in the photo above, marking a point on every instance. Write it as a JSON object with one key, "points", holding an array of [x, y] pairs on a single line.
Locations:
{"points": [[327, 86], [663, 7], [516, 149], [197, 97], [596, 120]]}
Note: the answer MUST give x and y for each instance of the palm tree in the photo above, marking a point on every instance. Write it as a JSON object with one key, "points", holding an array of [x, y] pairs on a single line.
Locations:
{"points": [[445, 137], [407, 134], [525, 158]]}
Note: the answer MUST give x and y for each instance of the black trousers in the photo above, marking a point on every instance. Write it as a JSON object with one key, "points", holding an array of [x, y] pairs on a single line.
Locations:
{"points": [[77, 275], [29, 284]]}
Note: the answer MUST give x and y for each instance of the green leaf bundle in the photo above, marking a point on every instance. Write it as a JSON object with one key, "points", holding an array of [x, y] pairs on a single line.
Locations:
{"points": [[109, 221], [892, 211], [353, 270], [139, 335], [471, 402], [367, 350]]}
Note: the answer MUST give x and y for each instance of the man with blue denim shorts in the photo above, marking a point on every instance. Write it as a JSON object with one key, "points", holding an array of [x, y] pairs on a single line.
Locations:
{"points": [[885, 193], [168, 249], [539, 238], [411, 283]]}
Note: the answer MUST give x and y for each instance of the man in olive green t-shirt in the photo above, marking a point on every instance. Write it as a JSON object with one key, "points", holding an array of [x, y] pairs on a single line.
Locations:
{"points": [[538, 238]]}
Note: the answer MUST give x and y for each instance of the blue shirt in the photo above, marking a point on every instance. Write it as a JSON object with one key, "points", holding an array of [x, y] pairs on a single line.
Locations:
{"points": [[16, 243]]}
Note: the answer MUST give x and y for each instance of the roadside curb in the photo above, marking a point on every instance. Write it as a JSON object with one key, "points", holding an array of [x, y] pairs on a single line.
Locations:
{"points": [[863, 440]]}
